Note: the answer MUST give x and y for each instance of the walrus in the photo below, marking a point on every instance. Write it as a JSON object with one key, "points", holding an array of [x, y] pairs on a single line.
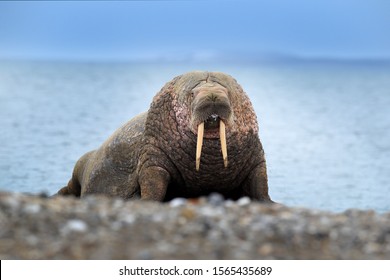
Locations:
{"points": [[199, 136]]}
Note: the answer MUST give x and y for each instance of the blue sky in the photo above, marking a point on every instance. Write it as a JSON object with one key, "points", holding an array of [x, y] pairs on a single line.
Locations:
{"points": [[196, 29]]}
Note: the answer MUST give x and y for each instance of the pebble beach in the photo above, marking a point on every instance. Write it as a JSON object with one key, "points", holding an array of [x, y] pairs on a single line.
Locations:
{"points": [[98, 227]]}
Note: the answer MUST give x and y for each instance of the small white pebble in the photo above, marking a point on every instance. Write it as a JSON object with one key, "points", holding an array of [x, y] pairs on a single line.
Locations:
{"points": [[243, 201], [32, 208], [116, 225], [128, 218], [159, 217], [12, 202], [177, 202], [118, 203], [208, 211], [76, 225], [229, 203], [32, 240]]}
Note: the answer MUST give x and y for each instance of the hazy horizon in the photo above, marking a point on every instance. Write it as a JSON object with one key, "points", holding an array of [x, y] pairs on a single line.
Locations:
{"points": [[195, 30], [200, 58]]}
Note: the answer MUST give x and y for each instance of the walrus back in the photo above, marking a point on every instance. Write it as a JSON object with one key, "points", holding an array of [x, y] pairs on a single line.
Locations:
{"points": [[111, 168]]}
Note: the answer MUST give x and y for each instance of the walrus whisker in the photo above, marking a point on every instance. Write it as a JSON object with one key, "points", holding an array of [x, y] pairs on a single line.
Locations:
{"points": [[199, 144], [222, 136]]}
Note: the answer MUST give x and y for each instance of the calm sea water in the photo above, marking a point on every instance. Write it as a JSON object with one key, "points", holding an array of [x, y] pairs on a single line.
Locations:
{"points": [[325, 127]]}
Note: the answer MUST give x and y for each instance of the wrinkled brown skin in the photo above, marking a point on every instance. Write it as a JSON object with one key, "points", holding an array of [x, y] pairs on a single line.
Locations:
{"points": [[152, 156]]}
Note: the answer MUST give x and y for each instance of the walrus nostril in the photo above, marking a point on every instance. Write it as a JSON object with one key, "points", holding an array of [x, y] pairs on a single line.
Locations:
{"points": [[213, 117]]}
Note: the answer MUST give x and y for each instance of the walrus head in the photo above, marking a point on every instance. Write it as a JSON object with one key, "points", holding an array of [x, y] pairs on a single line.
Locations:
{"points": [[210, 106]]}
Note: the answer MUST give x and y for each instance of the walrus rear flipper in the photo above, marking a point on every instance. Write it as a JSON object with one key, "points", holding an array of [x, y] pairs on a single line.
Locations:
{"points": [[73, 188]]}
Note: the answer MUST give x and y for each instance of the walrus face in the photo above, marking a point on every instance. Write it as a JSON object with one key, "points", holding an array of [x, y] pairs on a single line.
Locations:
{"points": [[211, 112]]}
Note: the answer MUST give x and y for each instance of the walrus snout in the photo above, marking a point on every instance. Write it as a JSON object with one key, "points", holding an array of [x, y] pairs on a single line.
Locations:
{"points": [[210, 104], [211, 112]]}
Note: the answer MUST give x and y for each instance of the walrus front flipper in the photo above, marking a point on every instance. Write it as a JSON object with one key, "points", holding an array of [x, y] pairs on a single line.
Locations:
{"points": [[154, 183], [256, 185]]}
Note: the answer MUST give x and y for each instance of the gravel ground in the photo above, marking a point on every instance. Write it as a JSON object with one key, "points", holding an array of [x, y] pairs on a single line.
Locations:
{"points": [[33, 227]]}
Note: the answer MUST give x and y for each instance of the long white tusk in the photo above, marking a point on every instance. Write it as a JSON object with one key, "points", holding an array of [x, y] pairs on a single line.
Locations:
{"points": [[222, 136], [199, 144]]}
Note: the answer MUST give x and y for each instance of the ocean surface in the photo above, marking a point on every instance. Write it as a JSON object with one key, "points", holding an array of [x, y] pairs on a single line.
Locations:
{"points": [[325, 126]]}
